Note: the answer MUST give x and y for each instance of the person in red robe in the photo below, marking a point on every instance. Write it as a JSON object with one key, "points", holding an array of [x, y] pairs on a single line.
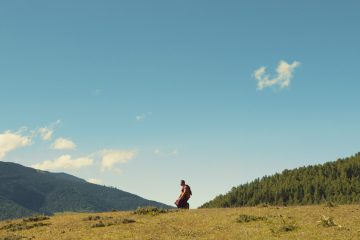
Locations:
{"points": [[185, 194]]}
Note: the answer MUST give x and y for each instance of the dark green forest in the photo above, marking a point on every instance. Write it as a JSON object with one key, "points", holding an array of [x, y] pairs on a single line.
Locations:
{"points": [[337, 182], [25, 191]]}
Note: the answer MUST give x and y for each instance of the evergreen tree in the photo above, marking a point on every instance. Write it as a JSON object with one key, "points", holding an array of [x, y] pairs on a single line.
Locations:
{"points": [[338, 182]]}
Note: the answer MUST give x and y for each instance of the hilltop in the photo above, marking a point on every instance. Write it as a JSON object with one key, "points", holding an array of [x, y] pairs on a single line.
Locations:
{"points": [[337, 182], [26, 191], [248, 223]]}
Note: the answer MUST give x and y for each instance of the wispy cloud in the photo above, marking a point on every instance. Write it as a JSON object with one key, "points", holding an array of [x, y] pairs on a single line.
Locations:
{"points": [[142, 117], [96, 92], [64, 162], [10, 141], [166, 153], [282, 78], [46, 133], [63, 143], [95, 181], [109, 158]]}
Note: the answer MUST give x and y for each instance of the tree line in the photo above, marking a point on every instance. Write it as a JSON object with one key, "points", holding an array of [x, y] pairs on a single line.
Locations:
{"points": [[337, 182]]}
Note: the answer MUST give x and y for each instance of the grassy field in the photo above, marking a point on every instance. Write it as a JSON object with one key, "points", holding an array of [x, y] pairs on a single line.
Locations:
{"points": [[303, 222]]}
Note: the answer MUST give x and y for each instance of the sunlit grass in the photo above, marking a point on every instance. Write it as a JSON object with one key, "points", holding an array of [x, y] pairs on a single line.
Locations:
{"points": [[302, 222]]}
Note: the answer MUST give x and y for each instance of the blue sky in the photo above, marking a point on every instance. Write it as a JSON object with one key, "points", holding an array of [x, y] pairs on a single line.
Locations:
{"points": [[141, 94]]}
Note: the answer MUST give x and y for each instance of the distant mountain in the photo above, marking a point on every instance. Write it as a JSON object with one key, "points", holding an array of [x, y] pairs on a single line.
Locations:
{"points": [[337, 182], [25, 191]]}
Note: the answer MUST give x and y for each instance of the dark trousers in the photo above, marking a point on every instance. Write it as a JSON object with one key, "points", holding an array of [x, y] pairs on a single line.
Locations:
{"points": [[182, 203]]}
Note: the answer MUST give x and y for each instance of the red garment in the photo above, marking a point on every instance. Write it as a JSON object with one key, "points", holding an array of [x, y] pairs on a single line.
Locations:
{"points": [[182, 202]]}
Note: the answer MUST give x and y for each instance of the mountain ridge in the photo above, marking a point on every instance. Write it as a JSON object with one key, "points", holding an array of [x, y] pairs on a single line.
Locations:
{"points": [[25, 191]]}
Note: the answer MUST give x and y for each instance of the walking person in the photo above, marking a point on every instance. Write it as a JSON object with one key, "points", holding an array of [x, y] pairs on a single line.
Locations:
{"points": [[185, 194]]}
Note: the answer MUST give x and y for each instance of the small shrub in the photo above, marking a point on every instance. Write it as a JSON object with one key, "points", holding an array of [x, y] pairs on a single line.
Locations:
{"points": [[330, 204], [40, 224], [97, 218], [92, 218], [13, 237], [327, 222], [149, 211], [120, 221], [36, 219], [243, 218], [284, 226], [107, 222], [13, 227], [99, 224], [287, 227], [127, 221]]}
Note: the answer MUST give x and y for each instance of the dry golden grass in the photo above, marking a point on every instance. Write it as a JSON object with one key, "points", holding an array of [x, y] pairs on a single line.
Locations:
{"points": [[303, 222]]}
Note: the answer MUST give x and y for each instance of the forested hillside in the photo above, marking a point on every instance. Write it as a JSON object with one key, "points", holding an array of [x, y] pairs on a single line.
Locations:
{"points": [[25, 191], [338, 182]]}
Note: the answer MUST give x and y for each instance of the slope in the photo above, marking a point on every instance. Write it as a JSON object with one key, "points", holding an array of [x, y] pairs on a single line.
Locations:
{"points": [[337, 182], [25, 191]]}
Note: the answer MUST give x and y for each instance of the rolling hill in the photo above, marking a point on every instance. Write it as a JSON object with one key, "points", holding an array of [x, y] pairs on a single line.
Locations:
{"points": [[337, 182], [25, 191]]}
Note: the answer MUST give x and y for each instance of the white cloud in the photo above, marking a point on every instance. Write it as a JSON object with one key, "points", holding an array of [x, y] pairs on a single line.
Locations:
{"points": [[95, 181], [109, 158], [284, 74], [64, 162], [168, 153], [63, 143], [10, 141], [142, 117], [47, 132]]}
